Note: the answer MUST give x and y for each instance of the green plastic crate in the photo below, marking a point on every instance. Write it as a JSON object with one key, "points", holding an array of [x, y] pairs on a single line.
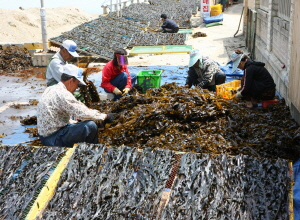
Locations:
{"points": [[148, 79]]}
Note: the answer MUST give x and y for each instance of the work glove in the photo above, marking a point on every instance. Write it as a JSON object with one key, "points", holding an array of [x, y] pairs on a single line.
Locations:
{"points": [[125, 91], [110, 118], [238, 95], [158, 30], [117, 91], [71, 121]]}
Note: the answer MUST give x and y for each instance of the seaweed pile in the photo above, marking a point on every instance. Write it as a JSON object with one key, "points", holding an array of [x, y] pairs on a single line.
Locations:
{"points": [[14, 58], [111, 183], [24, 171], [199, 34], [194, 120], [31, 120], [221, 187]]}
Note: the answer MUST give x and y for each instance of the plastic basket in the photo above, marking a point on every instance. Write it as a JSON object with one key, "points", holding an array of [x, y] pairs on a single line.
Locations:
{"points": [[228, 90], [148, 79], [215, 12]]}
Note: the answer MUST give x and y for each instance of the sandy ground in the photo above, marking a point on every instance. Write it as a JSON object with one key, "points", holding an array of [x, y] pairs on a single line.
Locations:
{"points": [[22, 26], [218, 44]]}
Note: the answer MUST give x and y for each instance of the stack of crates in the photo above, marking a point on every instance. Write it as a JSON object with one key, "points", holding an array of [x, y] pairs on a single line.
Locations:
{"points": [[215, 10], [148, 79], [228, 90]]}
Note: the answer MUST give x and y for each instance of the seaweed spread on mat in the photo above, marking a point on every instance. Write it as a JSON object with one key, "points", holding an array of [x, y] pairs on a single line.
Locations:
{"points": [[222, 187], [111, 183], [125, 183], [27, 171]]}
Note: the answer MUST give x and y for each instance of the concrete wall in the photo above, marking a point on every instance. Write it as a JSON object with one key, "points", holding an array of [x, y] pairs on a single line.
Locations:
{"points": [[252, 4], [277, 44], [294, 73]]}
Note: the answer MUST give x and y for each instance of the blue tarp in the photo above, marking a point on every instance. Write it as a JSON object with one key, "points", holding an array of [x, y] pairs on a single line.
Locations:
{"points": [[217, 18], [227, 69], [296, 170], [170, 74]]}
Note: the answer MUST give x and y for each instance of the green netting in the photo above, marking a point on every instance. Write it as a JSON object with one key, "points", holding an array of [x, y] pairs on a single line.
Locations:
{"points": [[214, 24], [145, 49], [179, 48], [161, 49], [185, 31]]}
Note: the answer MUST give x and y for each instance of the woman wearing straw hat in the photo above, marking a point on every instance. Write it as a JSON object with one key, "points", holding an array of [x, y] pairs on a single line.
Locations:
{"points": [[257, 83], [203, 72]]}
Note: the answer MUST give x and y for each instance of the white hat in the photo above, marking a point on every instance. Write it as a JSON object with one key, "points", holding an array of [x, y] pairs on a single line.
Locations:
{"points": [[194, 57], [70, 47], [75, 71], [236, 59]]}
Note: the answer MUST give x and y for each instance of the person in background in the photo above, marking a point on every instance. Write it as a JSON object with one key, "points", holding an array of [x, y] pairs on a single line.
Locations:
{"points": [[66, 53], [203, 72], [223, 3], [58, 104], [257, 82], [116, 77], [168, 26]]}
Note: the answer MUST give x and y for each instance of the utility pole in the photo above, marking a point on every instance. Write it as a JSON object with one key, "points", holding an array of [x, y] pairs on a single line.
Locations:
{"points": [[120, 8], [117, 8], [44, 26]]}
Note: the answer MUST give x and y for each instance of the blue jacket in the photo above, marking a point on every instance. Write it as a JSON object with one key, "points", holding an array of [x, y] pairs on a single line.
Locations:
{"points": [[168, 23]]}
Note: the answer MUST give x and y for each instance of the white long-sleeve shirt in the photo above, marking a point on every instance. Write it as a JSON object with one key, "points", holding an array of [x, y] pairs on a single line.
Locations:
{"points": [[57, 105], [53, 71]]}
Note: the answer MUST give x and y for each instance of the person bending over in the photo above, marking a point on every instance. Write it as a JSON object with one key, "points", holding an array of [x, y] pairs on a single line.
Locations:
{"points": [[56, 107], [203, 72], [116, 77], [168, 26], [257, 82]]}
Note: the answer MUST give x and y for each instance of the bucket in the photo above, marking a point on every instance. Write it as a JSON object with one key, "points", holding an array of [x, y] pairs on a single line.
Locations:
{"points": [[265, 103]]}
